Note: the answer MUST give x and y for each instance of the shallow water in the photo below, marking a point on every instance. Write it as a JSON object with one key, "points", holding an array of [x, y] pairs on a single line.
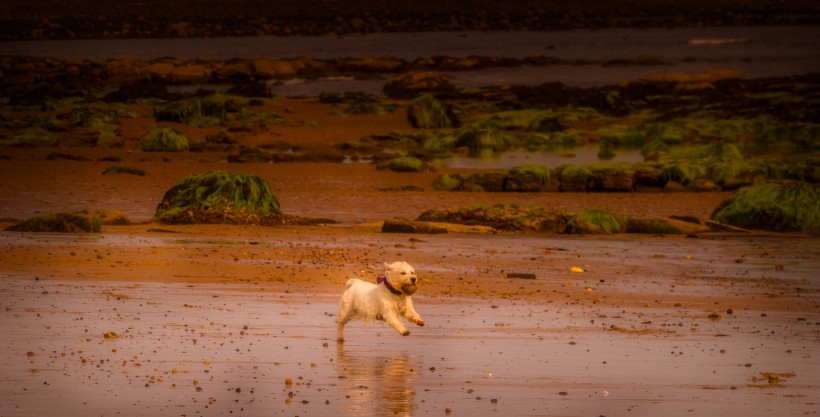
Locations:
{"points": [[771, 51], [220, 349]]}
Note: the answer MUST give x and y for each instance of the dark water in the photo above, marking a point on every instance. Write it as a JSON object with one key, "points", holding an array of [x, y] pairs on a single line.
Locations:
{"points": [[756, 51]]}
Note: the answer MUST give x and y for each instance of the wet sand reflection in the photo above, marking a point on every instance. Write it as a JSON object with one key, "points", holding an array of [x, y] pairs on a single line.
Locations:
{"points": [[377, 384]]}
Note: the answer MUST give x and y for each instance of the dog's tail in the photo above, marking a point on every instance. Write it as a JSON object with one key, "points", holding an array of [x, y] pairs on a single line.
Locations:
{"points": [[350, 282]]}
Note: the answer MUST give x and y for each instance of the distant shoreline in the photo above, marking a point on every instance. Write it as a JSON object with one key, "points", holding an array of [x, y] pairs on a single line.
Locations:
{"points": [[86, 19]]}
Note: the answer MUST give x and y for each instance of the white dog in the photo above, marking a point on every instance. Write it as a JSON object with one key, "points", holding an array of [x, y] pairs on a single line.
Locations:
{"points": [[386, 300]]}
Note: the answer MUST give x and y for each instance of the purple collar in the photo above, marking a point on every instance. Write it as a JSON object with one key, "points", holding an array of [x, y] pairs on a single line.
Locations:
{"points": [[382, 279]]}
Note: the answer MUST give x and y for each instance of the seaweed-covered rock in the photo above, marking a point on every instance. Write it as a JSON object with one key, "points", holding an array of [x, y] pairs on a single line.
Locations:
{"points": [[776, 207], [400, 225], [74, 222], [662, 226], [527, 178], [483, 138], [411, 84], [573, 178], [405, 164], [31, 138], [507, 217], [429, 113], [250, 154], [220, 197], [612, 177], [164, 139], [446, 182], [593, 222]]}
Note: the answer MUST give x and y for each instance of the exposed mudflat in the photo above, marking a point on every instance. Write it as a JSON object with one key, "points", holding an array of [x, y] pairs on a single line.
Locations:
{"points": [[221, 320]]}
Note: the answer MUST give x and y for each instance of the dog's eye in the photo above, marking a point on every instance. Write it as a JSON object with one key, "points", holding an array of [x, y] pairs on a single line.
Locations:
{"points": [[404, 273]]}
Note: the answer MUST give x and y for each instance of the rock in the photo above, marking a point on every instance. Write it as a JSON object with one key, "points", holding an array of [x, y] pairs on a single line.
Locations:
{"points": [[429, 113], [409, 85], [219, 197], [268, 68], [400, 225], [573, 178], [74, 222], [190, 74], [164, 139], [160, 69], [612, 177], [405, 164], [527, 178], [250, 89], [144, 88], [775, 207], [250, 154], [234, 70]]}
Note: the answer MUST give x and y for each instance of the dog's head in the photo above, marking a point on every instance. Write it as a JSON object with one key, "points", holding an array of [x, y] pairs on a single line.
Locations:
{"points": [[402, 277]]}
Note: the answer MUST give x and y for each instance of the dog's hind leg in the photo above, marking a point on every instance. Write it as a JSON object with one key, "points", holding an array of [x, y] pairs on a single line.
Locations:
{"points": [[345, 314]]}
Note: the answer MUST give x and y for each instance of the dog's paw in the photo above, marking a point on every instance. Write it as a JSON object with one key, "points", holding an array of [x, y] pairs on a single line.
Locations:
{"points": [[420, 322], [405, 333]]}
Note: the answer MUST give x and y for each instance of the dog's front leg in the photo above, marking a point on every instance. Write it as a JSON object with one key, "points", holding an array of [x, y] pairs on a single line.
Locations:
{"points": [[393, 320], [411, 314]]}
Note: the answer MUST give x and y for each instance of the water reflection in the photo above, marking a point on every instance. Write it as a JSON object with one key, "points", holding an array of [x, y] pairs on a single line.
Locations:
{"points": [[377, 384]]}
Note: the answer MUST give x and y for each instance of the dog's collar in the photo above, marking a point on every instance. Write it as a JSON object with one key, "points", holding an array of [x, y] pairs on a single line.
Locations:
{"points": [[382, 279]]}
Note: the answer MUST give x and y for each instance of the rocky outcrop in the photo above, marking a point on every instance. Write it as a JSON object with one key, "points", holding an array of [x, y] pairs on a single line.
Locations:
{"points": [[412, 84]]}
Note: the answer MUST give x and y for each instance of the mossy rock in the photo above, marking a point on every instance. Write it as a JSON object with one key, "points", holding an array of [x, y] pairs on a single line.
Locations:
{"points": [[685, 173], [484, 182], [654, 150], [164, 139], [662, 226], [405, 164], [74, 222], [593, 222], [611, 177], [429, 113], [194, 111], [573, 178], [439, 145], [445, 182], [506, 217], [775, 207], [482, 137], [618, 136], [122, 169], [649, 174], [717, 151], [731, 175], [31, 138], [528, 178], [220, 197]]}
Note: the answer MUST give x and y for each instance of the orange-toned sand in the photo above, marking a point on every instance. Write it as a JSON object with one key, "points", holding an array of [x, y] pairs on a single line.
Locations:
{"points": [[659, 288]]}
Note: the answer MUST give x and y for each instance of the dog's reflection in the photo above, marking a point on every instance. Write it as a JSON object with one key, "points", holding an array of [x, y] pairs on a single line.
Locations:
{"points": [[377, 384]]}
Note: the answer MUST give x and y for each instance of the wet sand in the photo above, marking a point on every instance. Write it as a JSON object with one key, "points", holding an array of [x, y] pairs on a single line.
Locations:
{"points": [[215, 320]]}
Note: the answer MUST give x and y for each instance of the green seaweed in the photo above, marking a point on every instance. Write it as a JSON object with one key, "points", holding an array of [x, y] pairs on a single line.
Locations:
{"points": [[164, 139], [405, 164], [75, 222], [593, 222], [218, 193], [429, 113], [773, 207], [122, 169]]}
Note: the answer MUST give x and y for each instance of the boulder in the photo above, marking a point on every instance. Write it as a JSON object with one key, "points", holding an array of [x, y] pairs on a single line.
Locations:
{"points": [[527, 178], [400, 225], [411, 84]]}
